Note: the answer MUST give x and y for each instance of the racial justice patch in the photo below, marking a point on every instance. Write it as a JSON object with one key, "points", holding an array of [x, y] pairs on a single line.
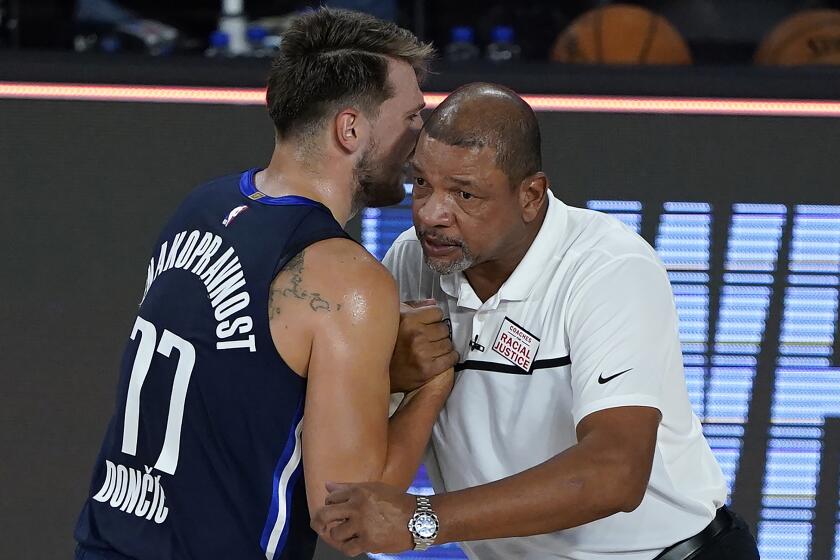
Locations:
{"points": [[516, 345]]}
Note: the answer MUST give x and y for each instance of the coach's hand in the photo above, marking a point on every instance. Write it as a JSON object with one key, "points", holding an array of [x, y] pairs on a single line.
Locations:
{"points": [[424, 348], [366, 517]]}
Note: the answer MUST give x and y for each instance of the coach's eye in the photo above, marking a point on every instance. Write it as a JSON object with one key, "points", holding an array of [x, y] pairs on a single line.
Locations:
{"points": [[420, 181], [465, 195]]}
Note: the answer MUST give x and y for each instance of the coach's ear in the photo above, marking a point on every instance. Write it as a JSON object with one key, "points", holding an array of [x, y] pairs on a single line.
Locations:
{"points": [[352, 130], [532, 193]]}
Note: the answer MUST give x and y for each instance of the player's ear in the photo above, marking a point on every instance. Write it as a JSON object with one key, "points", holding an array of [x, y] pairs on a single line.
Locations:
{"points": [[532, 193], [351, 130]]}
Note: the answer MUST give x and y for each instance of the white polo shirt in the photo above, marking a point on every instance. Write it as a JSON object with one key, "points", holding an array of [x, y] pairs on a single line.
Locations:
{"points": [[586, 322]]}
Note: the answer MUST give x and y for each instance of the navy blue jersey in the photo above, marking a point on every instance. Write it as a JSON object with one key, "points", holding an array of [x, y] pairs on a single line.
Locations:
{"points": [[202, 458]]}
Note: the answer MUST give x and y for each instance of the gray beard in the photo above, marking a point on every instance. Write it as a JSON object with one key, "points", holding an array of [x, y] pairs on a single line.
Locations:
{"points": [[462, 264]]}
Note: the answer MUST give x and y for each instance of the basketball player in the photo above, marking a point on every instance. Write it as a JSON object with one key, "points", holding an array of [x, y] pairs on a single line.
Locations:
{"points": [[569, 424], [260, 311]]}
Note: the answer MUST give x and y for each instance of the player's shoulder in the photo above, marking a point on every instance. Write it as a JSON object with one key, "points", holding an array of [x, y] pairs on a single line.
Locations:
{"points": [[343, 277], [334, 283], [345, 266], [342, 252]]}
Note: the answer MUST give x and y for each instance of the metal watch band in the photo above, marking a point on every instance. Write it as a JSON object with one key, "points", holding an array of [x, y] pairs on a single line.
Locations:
{"points": [[422, 544], [424, 505]]}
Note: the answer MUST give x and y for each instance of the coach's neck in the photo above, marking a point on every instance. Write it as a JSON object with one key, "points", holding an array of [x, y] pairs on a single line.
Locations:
{"points": [[487, 277]]}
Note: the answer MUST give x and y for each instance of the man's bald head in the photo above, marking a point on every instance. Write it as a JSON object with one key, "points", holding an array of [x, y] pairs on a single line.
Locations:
{"points": [[480, 114]]}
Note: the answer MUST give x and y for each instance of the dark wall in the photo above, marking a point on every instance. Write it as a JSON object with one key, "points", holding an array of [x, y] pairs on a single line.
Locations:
{"points": [[87, 186]]}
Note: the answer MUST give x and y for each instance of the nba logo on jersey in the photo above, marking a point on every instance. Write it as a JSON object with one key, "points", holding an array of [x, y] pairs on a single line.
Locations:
{"points": [[516, 345], [233, 214]]}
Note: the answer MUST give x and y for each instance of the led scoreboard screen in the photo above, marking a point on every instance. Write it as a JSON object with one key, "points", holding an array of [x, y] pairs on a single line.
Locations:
{"points": [[721, 360]]}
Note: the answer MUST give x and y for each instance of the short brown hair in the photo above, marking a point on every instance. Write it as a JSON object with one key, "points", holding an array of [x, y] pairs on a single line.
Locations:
{"points": [[331, 57]]}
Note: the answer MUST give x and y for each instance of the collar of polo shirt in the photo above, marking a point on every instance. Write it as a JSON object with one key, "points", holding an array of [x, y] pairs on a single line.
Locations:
{"points": [[520, 284]]}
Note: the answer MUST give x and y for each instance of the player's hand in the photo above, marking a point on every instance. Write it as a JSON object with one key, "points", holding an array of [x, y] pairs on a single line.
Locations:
{"points": [[365, 517], [424, 348]]}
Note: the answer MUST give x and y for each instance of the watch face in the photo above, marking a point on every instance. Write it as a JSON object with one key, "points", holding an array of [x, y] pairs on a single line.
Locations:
{"points": [[425, 526]]}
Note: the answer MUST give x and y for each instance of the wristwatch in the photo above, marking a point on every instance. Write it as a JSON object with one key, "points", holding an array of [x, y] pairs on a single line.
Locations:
{"points": [[424, 524]]}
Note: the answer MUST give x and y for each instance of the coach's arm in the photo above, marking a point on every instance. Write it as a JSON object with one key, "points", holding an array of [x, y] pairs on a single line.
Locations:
{"points": [[605, 473]]}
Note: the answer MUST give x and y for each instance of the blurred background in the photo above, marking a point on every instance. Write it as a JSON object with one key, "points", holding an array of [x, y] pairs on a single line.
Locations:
{"points": [[711, 127], [728, 32]]}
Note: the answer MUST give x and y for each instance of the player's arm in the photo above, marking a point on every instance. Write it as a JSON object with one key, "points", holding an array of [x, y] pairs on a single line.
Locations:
{"points": [[350, 309], [605, 473]]}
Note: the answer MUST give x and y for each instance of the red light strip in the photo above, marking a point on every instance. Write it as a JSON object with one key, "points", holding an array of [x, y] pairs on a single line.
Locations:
{"points": [[564, 103], [674, 105], [145, 94]]}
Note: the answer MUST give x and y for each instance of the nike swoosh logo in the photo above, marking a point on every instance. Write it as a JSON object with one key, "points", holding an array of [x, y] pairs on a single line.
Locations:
{"points": [[602, 379]]}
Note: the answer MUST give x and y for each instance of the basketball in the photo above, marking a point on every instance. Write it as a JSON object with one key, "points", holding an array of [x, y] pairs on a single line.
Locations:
{"points": [[621, 34], [809, 37]]}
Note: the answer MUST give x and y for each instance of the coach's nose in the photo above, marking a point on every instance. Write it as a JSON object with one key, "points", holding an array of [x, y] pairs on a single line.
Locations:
{"points": [[433, 210]]}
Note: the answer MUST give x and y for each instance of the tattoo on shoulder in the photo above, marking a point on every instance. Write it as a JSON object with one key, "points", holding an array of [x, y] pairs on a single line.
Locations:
{"points": [[291, 287]]}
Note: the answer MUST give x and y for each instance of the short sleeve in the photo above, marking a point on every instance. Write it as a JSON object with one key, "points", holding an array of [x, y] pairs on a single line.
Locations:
{"points": [[404, 260], [623, 336], [396, 260], [390, 259]]}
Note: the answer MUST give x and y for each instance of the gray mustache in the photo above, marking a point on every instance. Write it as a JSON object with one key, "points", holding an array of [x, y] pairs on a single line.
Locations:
{"points": [[439, 239]]}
